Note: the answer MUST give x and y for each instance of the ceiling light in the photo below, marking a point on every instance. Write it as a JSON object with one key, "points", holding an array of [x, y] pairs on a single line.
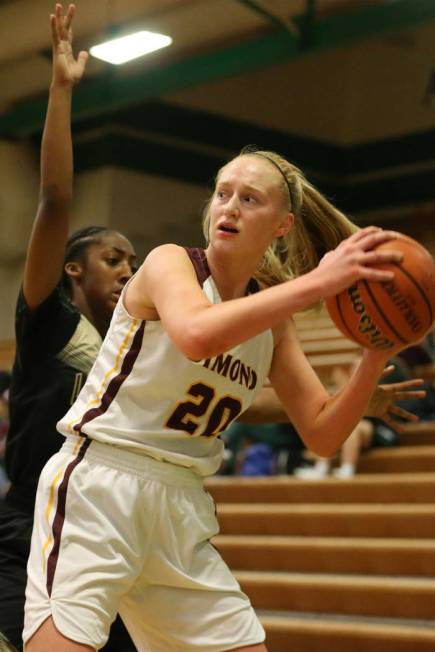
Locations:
{"points": [[120, 50]]}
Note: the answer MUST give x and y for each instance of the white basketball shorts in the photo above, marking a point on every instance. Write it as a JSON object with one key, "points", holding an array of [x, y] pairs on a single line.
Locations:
{"points": [[119, 532]]}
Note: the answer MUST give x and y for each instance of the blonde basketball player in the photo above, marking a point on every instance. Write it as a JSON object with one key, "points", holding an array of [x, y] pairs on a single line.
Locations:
{"points": [[122, 521]]}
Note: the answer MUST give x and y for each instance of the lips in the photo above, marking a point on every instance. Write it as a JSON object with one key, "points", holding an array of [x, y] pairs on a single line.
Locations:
{"points": [[227, 227]]}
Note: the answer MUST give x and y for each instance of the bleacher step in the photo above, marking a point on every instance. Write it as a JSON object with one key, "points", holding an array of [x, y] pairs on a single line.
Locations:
{"points": [[328, 554], [320, 332], [363, 488], [384, 596], [314, 633], [352, 520], [403, 459], [418, 434], [328, 346]]}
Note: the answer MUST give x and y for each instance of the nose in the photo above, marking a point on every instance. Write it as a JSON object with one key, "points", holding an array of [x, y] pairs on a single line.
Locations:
{"points": [[126, 271], [232, 208]]}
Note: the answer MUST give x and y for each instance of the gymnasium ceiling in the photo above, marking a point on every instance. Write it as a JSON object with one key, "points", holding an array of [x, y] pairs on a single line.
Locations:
{"points": [[345, 88]]}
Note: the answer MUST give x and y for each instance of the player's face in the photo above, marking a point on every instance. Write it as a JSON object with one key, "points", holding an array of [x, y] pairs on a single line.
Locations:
{"points": [[248, 208], [108, 265]]}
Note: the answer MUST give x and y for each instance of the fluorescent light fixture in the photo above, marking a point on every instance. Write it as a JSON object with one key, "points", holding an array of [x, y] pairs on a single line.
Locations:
{"points": [[125, 48]]}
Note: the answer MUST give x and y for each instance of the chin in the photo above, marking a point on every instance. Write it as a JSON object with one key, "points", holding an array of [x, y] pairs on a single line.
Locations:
{"points": [[108, 308]]}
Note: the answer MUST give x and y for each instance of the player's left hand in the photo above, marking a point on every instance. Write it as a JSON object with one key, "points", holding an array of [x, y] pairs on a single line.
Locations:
{"points": [[382, 404], [66, 69]]}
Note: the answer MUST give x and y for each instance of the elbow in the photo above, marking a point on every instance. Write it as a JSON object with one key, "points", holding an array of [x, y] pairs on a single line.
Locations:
{"points": [[323, 450], [53, 197], [318, 444], [196, 344]]}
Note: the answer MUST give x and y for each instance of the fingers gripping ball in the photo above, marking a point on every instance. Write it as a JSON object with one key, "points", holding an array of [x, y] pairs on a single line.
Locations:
{"points": [[390, 314]]}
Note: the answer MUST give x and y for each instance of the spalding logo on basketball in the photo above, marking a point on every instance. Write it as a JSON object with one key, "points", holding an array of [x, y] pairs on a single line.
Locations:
{"points": [[390, 314]]}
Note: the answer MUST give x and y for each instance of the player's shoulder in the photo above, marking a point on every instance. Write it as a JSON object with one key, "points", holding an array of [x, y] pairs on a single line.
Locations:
{"points": [[166, 251], [164, 261], [164, 257]]}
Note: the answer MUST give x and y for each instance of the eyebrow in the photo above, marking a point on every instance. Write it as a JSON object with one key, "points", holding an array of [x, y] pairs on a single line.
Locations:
{"points": [[246, 186], [122, 252]]}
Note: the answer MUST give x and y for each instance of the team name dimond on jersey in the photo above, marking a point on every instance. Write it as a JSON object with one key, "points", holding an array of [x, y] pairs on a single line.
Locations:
{"points": [[233, 368]]}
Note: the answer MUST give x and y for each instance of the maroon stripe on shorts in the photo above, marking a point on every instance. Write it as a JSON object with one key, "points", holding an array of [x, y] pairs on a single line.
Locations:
{"points": [[115, 384], [59, 517]]}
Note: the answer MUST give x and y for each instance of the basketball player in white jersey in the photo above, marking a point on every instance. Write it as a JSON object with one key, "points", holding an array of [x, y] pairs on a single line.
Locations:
{"points": [[122, 522]]}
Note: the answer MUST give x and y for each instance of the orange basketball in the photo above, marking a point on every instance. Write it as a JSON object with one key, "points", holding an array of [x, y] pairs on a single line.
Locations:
{"points": [[390, 314]]}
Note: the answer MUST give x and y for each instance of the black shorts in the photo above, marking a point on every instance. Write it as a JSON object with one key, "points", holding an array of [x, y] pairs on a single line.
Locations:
{"points": [[15, 534]]}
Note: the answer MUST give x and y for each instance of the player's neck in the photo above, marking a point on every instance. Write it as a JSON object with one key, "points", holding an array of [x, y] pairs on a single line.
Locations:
{"points": [[100, 322], [231, 276]]}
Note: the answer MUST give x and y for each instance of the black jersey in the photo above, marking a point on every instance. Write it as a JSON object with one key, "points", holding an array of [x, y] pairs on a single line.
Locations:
{"points": [[55, 349]]}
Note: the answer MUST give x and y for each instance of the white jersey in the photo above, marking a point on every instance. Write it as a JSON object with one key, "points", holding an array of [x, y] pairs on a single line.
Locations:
{"points": [[144, 395]]}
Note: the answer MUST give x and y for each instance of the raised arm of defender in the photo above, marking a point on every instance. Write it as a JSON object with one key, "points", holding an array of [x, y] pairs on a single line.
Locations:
{"points": [[45, 253]]}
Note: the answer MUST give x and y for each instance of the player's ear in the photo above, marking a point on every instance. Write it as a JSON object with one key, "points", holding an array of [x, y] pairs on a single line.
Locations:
{"points": [[285, 225], [73, 269]]}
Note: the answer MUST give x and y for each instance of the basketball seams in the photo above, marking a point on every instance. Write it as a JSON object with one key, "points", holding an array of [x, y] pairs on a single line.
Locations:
{"points": [[408, 247], [420, 289], [352, 336], [382, 314]]}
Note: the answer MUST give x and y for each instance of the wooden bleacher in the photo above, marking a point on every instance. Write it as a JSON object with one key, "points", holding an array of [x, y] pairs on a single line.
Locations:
{"points": [[343, 565], [324, 345], [7, 353], [351, 561]]}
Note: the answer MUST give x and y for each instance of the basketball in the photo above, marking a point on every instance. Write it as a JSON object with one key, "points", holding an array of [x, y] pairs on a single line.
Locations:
{"points": [[390, 314]]}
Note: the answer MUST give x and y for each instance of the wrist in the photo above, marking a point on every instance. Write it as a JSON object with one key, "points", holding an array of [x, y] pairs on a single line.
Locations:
{"points": [[376, 359], [316, 279], [61, 87]]}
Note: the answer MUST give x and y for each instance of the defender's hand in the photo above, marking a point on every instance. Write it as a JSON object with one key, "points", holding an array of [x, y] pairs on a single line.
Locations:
{"points": [[382, 403], [66, 69]]}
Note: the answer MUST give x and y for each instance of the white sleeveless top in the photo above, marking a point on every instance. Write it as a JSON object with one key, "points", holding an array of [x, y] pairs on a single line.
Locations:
{"points": [[144, 395]]}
